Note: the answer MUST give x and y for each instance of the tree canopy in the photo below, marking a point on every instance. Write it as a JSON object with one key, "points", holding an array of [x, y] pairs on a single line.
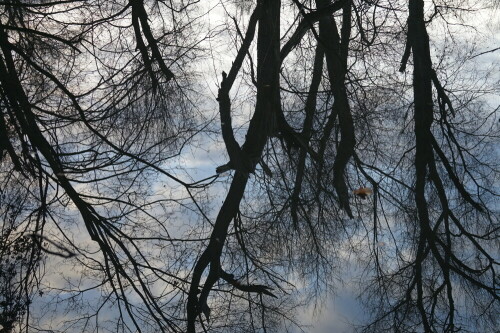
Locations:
{"points": [[187, 166]]}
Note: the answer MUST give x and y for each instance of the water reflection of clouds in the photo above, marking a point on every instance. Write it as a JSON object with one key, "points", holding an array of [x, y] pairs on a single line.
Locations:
{"points": [[337, 313]]}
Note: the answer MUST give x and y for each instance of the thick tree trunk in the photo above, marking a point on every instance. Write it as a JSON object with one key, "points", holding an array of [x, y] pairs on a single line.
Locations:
{"points": [[336, 52], [261, 126], [422, 91]]}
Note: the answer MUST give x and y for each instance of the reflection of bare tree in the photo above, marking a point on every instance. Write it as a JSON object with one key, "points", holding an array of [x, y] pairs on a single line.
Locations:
{"points": [[332, 154], [91, 106], [340, 138], [450, 224]]}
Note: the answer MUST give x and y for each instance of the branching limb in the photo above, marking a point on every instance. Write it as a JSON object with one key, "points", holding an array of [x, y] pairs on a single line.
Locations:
{"points": [[238, 160]]}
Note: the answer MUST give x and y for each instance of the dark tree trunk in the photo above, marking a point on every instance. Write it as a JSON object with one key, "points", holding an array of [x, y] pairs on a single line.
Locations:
{"points": [[262, 124], [336, 52], [418, 39]]}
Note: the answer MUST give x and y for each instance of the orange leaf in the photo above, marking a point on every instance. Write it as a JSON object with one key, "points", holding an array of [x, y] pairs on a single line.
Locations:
{"points": [[363, 192]]}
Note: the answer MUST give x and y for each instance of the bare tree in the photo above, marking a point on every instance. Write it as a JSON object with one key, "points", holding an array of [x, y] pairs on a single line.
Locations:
{"points": [[332, 153], [93, 102]]}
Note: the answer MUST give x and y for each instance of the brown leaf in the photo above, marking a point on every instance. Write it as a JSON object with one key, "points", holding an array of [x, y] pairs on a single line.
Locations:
{"points": [[363, 192]]}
